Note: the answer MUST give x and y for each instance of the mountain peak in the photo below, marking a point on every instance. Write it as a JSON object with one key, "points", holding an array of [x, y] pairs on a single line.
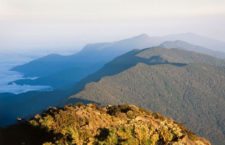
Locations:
{"points": [[144, 35], [175, 42]]}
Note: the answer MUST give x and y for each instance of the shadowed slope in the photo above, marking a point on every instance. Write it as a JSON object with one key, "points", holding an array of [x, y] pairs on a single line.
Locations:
{"points": [[60, 71], [151, 56], [24, 134]]}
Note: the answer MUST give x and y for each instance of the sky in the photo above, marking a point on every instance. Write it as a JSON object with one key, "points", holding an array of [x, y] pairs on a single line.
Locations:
{"points": [[69, 24]]}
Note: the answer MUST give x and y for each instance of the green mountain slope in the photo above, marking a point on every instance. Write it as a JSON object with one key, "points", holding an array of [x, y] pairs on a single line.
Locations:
{"points": [[94, 125], [185, 85]]}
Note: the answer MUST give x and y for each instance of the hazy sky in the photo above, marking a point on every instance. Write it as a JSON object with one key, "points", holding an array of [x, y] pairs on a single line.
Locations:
{"points": [[41, 24]]}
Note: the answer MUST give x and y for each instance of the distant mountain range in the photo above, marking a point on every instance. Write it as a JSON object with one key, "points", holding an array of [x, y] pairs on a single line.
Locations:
{"points": [[171, 81], [179, 44], [181, 75], [196, 39], [57, 71], [60, 71]]}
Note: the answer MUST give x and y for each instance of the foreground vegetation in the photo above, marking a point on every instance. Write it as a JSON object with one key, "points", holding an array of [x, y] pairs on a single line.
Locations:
{"points": [[91, 124]]}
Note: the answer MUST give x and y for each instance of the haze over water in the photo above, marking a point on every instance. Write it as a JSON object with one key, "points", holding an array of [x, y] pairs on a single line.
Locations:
{"points": [[7, 62]]}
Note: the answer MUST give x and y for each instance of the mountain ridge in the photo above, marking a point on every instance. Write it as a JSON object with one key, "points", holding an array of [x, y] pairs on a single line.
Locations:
{"points": [[93, 56], [194, 88]]}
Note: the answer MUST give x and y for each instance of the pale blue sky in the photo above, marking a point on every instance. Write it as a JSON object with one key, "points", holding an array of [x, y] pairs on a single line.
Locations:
{"points": [[108, 9], [36, 24]]}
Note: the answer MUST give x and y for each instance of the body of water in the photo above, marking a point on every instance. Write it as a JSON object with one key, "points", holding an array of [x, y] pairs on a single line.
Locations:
{"points": [[8, 61]]}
